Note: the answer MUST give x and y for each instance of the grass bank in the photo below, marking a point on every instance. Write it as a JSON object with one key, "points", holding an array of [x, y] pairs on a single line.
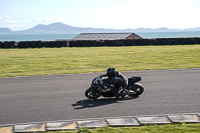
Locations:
{"points": [[26, 62], [172, 128]]}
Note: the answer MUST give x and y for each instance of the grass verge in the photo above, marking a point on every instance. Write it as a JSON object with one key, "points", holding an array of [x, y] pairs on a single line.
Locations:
{"points": [[44, 61], [172, 128]]}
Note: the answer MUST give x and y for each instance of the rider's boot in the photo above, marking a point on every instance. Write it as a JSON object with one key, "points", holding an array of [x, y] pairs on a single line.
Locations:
{"points": [[121, 92], [111, 88]]}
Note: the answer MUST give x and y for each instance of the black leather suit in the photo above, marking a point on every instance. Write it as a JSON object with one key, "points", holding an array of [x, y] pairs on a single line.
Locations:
{"points": [[118, 80]]}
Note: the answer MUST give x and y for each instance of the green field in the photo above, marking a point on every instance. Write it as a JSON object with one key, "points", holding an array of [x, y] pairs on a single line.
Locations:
{"points": [[43, 61]]}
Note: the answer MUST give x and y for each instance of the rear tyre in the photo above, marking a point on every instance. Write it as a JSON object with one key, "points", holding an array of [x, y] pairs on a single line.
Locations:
{"points": [[136, 90], [91, 94]]}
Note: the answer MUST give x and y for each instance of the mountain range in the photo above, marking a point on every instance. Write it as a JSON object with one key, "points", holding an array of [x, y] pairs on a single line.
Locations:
{"points": [[60, 28]]}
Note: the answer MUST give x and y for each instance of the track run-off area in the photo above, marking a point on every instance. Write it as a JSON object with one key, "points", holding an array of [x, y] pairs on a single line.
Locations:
{"points": [[61, 97]]}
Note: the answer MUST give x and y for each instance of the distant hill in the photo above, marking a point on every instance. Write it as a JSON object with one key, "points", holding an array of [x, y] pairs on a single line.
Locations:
{"points": [[5, 31], [60, 28]]}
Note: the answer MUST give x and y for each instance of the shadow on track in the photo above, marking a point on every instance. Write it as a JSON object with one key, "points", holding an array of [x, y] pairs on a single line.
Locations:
{"points": [[90, 103]]}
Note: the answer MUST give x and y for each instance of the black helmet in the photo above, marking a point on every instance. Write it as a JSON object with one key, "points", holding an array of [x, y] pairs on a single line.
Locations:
{"points": [[110, 72]]}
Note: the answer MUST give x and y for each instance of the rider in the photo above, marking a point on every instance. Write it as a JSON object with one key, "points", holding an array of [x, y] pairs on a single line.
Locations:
{"points": [[118, 80]]}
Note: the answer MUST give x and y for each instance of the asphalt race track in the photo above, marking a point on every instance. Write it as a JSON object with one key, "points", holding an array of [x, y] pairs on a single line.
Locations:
{"points": [[61, 97]]}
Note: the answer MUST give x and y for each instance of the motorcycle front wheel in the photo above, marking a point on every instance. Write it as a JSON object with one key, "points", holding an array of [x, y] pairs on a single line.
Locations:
{"points": [[91, 94]]}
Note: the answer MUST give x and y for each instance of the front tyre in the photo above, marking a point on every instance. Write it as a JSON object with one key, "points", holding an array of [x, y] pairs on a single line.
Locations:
{"points": [[91, 94]]}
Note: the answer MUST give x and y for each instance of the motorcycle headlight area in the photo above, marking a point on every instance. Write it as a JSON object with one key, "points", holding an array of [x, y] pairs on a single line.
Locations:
{"points": [[97, 82]]}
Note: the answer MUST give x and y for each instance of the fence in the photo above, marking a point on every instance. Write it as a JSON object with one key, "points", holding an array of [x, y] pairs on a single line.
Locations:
{"points": [[33, 44], [99, 43]]}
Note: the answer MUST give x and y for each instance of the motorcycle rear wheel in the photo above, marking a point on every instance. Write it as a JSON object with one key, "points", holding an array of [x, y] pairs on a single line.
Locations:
{"points": [[137, 89], [91, 94]]}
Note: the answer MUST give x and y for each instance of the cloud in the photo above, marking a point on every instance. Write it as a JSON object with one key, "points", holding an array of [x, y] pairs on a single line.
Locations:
{"points": [[10, 21], [18, 27], [15, 21], [37, 19], [0, 17], [57, 19], [42, 19], [46, 20], [14, 26], [7, 17], [53, 19]]}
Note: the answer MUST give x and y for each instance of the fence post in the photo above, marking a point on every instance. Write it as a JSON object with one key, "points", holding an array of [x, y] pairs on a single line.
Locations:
{"points": [[132, 42], [1, 44], [189, 41], [170, 41], [196, 40], [39, 44]]}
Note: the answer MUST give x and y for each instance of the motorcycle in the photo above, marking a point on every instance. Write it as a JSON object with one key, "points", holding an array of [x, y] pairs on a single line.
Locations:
{"points": [[100, 87]]}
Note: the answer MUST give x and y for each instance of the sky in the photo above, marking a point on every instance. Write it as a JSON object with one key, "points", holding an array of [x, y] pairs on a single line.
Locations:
{"points": [[116, 14]]}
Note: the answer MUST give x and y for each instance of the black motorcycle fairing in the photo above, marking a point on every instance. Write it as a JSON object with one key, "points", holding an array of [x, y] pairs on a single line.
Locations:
{"points": [[107, 94], [133, 80], [107, 82], [96, 84]]}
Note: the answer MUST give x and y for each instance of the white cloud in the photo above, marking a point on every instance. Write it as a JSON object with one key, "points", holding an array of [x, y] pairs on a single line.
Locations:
{"points": [[53, 19], [42, 19], [10, 21], [0, 17], [15, 21], [18, 27], [37, 19], [57, 19], [14, 26], [7, 17], [46, 19]]}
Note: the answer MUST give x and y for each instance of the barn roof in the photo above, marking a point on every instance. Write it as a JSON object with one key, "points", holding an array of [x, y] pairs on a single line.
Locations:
{"points": [[106, 36]]}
